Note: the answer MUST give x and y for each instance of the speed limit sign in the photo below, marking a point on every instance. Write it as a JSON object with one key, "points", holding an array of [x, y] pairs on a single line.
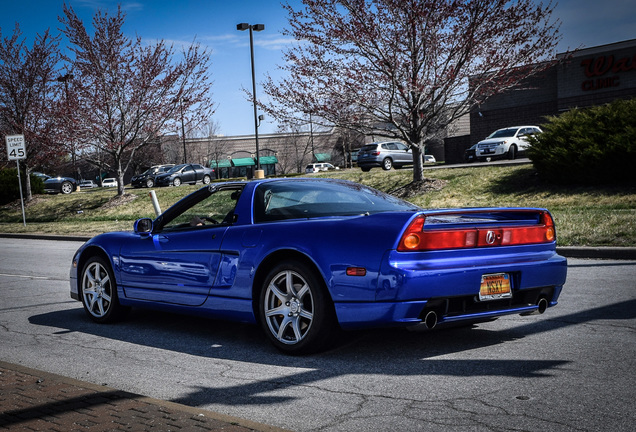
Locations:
{"points": [[16, 149]]}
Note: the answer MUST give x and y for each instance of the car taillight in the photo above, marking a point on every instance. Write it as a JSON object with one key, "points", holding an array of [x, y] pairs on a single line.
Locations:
{"points": [[375, 153], [415, 238]]}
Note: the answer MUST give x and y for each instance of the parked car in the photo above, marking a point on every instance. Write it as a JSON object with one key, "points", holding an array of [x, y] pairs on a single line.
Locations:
{"points": [[429, 159], [507, 142], [185, 173], [87, 184], [109, 182], [317, 167], [147, 178], [385, 155], [241, 251], [470, 153], [56, 185]]}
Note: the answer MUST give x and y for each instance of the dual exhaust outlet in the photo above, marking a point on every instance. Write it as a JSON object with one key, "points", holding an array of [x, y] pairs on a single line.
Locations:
{"points": [[430, 319]]}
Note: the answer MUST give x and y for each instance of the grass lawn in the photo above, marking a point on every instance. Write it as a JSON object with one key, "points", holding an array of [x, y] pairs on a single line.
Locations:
{"points": [[584, 216]]}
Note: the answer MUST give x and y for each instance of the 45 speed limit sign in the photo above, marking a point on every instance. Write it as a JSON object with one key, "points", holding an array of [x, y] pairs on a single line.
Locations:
{"points": [[16, 149]]}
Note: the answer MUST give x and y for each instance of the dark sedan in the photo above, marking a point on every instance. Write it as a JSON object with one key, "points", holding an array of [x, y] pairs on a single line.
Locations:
{"points": [[185, 173], [56, 185], [147, 178]]}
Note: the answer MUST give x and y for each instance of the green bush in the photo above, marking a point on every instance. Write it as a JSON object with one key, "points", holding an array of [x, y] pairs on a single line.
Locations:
{"points": [[10, 190], [588, 146]]}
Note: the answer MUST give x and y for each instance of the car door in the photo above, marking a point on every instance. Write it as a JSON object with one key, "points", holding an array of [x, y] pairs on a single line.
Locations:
{"points": [[177, 267], [523, 138], [404, 154], [188, 175], [179, 260]]}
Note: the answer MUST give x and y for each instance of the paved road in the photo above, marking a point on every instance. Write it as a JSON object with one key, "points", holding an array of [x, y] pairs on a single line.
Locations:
{"points": [[571, 369]]}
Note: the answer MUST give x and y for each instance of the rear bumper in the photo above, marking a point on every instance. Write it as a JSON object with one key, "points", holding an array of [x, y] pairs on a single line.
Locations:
{"points": [[409, 287]]}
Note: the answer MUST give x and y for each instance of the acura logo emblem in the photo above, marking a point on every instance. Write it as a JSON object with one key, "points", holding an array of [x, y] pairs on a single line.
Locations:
{"points": [[491, 237]]}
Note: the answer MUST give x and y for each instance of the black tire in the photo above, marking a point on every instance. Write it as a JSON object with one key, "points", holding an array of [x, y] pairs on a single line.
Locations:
{"points": [[176, 182], [150, 183], [295, 310], [66, 187], [512, 152], [206, 179], [98, 291], [387, 164]]}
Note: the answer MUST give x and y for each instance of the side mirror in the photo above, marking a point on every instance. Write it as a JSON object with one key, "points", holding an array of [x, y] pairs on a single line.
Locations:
{"points": [[143, 226]]}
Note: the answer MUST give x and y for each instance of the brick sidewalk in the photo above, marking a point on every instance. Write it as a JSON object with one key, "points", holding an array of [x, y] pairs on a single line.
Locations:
{"points": [[31, 400]]}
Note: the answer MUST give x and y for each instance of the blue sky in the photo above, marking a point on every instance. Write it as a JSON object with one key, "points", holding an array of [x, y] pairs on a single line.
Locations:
{"points": [[585, 23]]}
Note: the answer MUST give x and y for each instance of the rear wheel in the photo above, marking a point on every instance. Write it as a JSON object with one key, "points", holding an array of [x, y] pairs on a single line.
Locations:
{"points": [[295, 310], [387, 164], [206, 179], [98, 291]]}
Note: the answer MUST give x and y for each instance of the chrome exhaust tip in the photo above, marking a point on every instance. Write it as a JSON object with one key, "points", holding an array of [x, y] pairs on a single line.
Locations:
{"points": [[430, 320]]}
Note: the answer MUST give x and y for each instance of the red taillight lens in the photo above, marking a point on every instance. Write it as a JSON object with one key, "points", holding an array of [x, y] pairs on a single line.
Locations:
{"points": [[375, 153], [415, 238]]}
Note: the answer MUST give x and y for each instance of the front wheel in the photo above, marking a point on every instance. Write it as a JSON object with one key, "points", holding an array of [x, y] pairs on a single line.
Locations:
{"points": [[176, 182], [66, 188], [98, 291], [512, 152], [150, 183], [387, 164], [295, 310]]}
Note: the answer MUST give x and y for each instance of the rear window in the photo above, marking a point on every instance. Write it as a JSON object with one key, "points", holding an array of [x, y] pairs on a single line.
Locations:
{"points": [[300, 200], [369, 147]]}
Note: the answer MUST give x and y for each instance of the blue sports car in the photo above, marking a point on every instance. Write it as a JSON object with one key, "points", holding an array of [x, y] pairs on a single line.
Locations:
{"points": [[305, 258]]}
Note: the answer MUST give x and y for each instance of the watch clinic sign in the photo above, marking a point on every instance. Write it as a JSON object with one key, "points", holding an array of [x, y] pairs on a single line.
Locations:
{"points": [[603, 72]]}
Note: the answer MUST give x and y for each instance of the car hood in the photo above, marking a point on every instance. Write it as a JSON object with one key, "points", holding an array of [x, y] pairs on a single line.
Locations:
{"points": [[58, 179], [494, 140]]}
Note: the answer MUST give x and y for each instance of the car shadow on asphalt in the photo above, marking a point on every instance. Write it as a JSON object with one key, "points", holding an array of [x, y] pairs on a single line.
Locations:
{"points": [[391, 352]]}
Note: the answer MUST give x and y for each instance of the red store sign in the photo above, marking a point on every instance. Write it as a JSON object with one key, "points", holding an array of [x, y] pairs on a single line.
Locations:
{"points": [[597, 69]]}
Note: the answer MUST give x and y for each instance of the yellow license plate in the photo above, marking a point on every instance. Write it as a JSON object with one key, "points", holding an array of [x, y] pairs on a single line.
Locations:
{"points": [[495, 286]]}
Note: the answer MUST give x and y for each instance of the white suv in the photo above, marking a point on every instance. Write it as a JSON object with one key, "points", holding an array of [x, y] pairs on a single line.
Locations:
{"points": [[507, 142], [317, 167]]}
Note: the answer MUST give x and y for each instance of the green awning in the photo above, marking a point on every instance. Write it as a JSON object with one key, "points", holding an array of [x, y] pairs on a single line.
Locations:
{"points": [[322, 157], [268, 160], [222, 163], [239, 162]]}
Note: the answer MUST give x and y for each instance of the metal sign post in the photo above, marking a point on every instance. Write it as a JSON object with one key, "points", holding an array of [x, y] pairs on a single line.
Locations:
{"points": [[16, 150]]}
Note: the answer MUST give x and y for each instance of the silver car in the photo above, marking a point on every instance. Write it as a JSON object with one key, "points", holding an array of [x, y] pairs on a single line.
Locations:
{"points": [[385, 155]]}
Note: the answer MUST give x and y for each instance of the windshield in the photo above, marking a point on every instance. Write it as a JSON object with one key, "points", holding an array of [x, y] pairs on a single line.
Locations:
{"points": [[307, 199], [175, 168], [503, 133]]}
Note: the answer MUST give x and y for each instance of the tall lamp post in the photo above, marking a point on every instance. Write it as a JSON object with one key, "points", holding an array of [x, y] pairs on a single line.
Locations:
{"points": [[183, 138], [252, 28]]}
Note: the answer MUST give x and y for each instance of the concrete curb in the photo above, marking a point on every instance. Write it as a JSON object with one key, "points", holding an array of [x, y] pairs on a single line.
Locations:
{"points": [[591, 252], [618, 253]]}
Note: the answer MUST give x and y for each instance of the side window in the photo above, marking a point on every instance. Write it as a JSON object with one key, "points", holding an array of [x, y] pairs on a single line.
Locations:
{"points": [[215, 209], [401, 147]]}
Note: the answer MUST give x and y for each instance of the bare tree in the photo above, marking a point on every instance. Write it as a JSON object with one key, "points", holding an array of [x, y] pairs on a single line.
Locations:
{"points": [[130, 92], [296, 148], [27, 88], [400, 68]]}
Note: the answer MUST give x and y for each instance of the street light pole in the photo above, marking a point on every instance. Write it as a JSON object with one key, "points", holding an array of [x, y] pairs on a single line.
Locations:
{"points": [[185, 159], [251, 28]]}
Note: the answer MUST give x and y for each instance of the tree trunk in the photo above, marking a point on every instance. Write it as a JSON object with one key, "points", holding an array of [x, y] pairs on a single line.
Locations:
{"points": [[418, 166], [120, 180]]}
